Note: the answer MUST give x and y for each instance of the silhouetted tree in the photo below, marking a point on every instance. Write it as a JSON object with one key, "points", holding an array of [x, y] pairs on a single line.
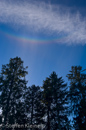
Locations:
{"points": [[77, 96], [34, 106], [12, 88], [55, 100]]}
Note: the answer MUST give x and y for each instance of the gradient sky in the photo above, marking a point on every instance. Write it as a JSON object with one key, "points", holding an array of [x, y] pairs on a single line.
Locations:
{"points": [[48, 35]]}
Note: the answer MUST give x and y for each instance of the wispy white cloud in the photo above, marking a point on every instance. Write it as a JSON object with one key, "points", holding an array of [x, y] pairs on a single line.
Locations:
{"points": [[48, 18]]}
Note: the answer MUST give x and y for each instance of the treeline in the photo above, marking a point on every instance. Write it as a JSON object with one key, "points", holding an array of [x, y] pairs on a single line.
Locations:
{"points": [[41, 108]]}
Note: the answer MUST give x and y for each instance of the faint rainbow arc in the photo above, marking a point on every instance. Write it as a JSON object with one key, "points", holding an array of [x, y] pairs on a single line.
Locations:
{"points": [[29, 40]]}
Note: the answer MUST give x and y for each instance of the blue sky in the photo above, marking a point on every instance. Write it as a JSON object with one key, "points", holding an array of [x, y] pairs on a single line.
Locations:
{"points": [[48, 35]]}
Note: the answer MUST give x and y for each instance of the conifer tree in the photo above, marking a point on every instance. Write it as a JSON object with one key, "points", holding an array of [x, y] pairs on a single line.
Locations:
{"points": [[12, 88], [55, 100], [77, 96], [34, 106]]}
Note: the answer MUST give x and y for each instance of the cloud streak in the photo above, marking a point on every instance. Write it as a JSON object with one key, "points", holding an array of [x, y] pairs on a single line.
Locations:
{"points": [[48, 18]]}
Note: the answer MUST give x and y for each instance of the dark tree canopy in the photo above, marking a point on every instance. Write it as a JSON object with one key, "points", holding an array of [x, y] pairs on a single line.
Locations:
{"points": [[12, 88], [77, 95], [44, 108], [55, 100], [34, 106]]}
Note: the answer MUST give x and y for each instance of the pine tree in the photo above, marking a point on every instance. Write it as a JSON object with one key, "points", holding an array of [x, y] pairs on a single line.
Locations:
{"points": [[34, 106], [77, 96], [12, 88], [55, 100], [47, 100]]}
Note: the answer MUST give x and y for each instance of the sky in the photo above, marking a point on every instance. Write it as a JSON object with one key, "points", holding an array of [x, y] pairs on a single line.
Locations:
{"points": [[48, 35]]}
